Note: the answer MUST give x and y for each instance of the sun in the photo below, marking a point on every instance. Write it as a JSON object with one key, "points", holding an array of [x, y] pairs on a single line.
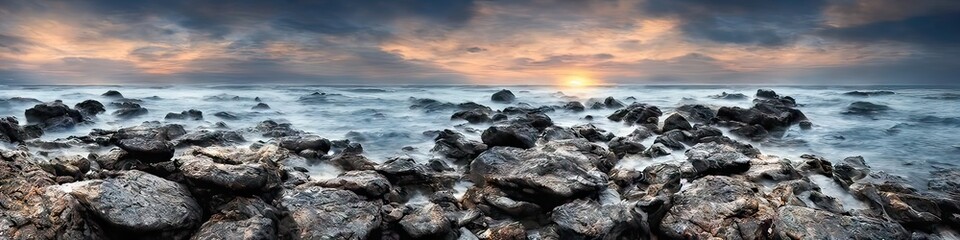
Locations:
{"points": [[577, 81]]}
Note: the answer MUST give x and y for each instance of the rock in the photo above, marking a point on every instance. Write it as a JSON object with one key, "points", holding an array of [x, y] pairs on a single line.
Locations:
{"points": [[504, 96], [718, 207], [207, 138], [226, 116], [745, 149], [554, 133], [146, 149], [754, 132], [767, 93], [630, 144], [806, 124], [261, 106], [611, 102], [112, 94], [803, 192], [715, 159], [587, 219], [12, 132], [186, 115], [241, 218], [547, 175], [850, 170], [514, 135], [696, 113], [592, 133], [637, 113], [430, 105], [574, 106], [868, 93], [309, 214], [454, 145], [730, 96], [367, 183], [139, 204], [676, 121], [516, 209], [220, 169], [771, 169], [793, 222], [773, 117], [129, 110], [350, 159], [404, 170], [270, 128], [893, 197], [657, 150], [506, 231], [474, 116], [53, 115], [674, 139], [865, 108], [306, 142], [427, 221], [35, 208], [90, 107], [945, 181], [816, 164]]}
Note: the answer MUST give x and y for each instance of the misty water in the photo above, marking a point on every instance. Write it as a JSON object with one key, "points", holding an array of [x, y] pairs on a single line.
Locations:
{"points": [[919, 134]]}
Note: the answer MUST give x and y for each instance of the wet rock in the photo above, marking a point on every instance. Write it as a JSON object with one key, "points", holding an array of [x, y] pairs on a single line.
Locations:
{"points": [[587, 219], [866, 108], [308, 214], [186, 115], [630, 144], [718, 207], [306, 142], [715, 159], [207, 138], [261, 106], [771, 169], [546, 175], [454, 145], [730, 96], [657, 150], [868, 93], [90, 107], [745, 149], [129, 110], [241, 218], [592, 133], [147, 149], [754, 132], [676, 121], [806, 124], [514, 135], [574, 106], [351, 158], [554, 133], [474, 116], [674, 139], [803, 192], [516, 209], [816, 164], [226, 116], [506, 231], [793, 222], [112, 94], [270, 128], [504, 96], [217, 168], [638, 113], [53, 115], [901, 202], [12, 132], [945, 181], [136, 204], [767, 93], [773, 117], [430, 105], [367, 183], [404, 170], [427, 221], [696, 113], [850, 170]]}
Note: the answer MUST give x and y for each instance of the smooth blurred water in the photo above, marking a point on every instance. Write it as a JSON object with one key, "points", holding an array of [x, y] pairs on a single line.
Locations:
{"points": [[920, 133]]}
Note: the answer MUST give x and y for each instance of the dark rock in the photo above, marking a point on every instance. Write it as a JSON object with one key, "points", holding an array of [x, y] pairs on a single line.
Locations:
{"points": [[220, 169], [514, 135], [90, 107], [850, 170], [270, 128], [147, 149], [306, 142], [367, 183], [498, 117], [637, 113], [771, 169], [816, 164], [12, 132], [474, 116], [207, 138], [793, 222], [129, 110], [945, 181], [516, 209], [261, 106], [186, 115], [454, 145], [865, 108], [868, 93], [587, 219], [308, 214], [592, 133], [112, 94], [767, 93], [657, 150], [611, 102], [53, 115], [697, 113], [504, 96], [754, 132], [226, 116], [404, 170], [351, 158], [508, 231], [241, 218], [772, 117], [745, 149], [558, 133], [715, 159], [674, 139], [806, 124], [427, 221], [430, 105], [718, 207], [803, 192], [136, 204], [630, 144], [574, 106], [730, 96], [676, 121]]}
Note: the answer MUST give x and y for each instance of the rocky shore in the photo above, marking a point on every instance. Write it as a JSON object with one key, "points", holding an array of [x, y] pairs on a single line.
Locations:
{"points": [[524, 178]]}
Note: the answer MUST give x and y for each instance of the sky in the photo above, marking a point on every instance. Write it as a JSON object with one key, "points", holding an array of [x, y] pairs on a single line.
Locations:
{"points": [[480, 42]]}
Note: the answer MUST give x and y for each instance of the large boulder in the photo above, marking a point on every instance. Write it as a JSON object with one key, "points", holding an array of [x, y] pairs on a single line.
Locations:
{"points": [[504, 96], [137, 204], [631, 143], [220, 169], [90, 107], [368, 183], [514, 135], [53, 115], [592, 133], [715, 159], [314, 212], [241, 218], [427, 221], [587, 219], [191, 114], [772, 117], [129, 110], [112, 94], [474, 116], [574, 106], [676, 121], [718, 207], [351, 158], [637, 113], [454, 145], [147, 149], [306, 142], [12, 132], [697, 113], [794, 222]]}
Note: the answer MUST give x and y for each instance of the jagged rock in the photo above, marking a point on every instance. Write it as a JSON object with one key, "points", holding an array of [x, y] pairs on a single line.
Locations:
{"points": [[767, 93], [454, 145], [506, 231], [309, 214], [261, 106], [147, 149], [218, 168], [638, 113], [745, 149], [554, 133], [676, 121], [367, 183], [772, 117], [241, 218], [404, 170], [505, 96], [474, 116], [793, 222], [186, 115], [657, 150], [754, 132], [53, 115], [816, 164], [90, 107], [697, 113], [630, 144], [587, 219], [351, 158], [771, 169], [129, 110], [804, 193], [946, 181], [207, 138], [718, 207], [427, 221], [136, 203], [516, 209], [574, 106], [901, 202], [715, 159], [674, 139], [514, 135], [592, 133], [850, 170], [12, 132]]}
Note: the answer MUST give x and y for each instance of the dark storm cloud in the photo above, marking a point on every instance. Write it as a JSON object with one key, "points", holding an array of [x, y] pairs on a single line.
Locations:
{"points": [[927, 30]]}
